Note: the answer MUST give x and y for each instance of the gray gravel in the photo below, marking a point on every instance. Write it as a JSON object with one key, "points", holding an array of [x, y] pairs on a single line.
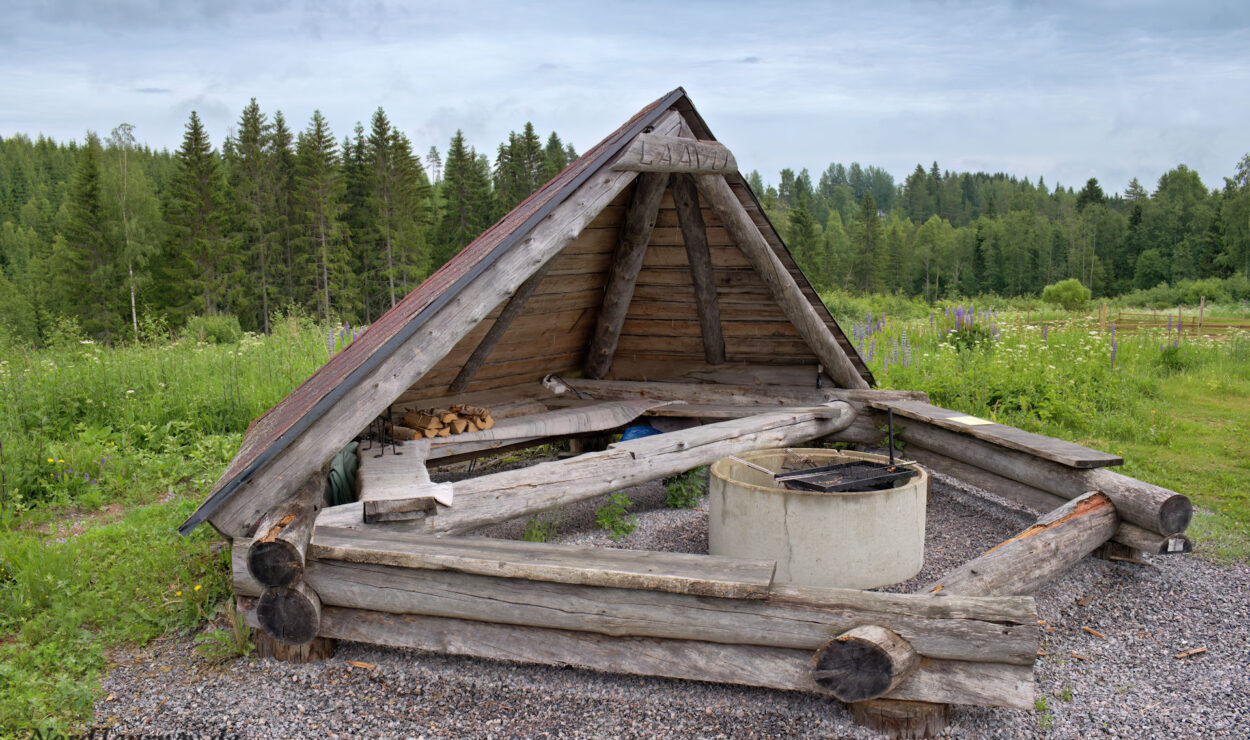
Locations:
{"points": [[1127, 685]]}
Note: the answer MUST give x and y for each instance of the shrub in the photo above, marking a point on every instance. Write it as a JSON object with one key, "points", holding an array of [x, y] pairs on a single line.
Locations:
{"points": [[1070, 294], [219, 328], [614, 518], [683, 491]]}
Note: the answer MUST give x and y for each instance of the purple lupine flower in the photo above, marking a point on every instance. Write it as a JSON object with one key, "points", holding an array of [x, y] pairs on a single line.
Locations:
{"points": [[1169, 323], [1045, 331], [1114, 346], [330, 342], [872, 348]]}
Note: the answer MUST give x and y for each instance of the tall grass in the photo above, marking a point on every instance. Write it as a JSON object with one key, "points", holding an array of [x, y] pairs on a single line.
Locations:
{"points": [[84, 424], [1177, 409]]}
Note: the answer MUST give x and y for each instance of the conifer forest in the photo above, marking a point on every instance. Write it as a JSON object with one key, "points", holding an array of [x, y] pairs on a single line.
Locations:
{"points": [[107, 234]]}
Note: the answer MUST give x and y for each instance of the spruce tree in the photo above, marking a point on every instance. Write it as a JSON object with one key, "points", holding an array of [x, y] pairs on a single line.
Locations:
{"points": [[319, 193], [197, 264], [868, 243], [466, 200], [555, 158], [85, 260], [285, 213], [252, 192]]}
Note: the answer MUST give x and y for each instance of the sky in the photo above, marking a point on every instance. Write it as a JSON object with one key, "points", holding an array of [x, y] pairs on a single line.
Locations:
{"points": [[1064, 91]]}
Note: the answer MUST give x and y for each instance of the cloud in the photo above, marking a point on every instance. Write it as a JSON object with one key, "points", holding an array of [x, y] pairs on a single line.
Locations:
{"points": [[153, 90]]}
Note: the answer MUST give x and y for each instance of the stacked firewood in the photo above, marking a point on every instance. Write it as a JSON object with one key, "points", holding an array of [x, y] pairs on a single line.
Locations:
{"points": [[430, 423]]}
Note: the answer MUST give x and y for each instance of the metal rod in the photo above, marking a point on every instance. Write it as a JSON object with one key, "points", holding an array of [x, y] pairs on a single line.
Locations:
{"points": [[891, 413], [760, 468]]}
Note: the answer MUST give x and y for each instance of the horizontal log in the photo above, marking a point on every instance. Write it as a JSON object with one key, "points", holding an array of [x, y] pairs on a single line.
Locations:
{"points": [[1026, 562], [865, 663], [658, 153], [501, 496], [1148, 506], [955, 682], [698, 575], [1037, 445], [1039, 502], [774, 622]]}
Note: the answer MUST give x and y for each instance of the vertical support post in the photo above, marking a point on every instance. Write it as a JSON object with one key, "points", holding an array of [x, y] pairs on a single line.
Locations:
{"points": [[623, 274], [694, 234]]}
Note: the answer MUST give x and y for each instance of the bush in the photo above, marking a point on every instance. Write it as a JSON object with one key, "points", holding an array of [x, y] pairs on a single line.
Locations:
{"points": [[614, 516], [683, 491], [1070, 294], [219, 328]]}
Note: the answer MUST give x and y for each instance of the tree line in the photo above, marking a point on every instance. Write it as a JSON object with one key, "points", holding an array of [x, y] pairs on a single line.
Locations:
{"points": [[105, 232], [942, 234]]}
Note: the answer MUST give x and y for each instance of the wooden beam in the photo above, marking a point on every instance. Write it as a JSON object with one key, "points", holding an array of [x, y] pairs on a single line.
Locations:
{"points": [[1026, 562], [981, 630], [501, 496], [956, 682], [785, 291], [1148, 506], [653, 152], [502, 323], [276, 556], [1046, 448], [756, 396], [623, 272], [697, 575], [422, 351], [1039, 501], [694, 234]]}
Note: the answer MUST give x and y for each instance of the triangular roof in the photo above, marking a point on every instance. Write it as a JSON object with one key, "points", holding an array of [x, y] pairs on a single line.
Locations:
{"points": [[285, 443]]}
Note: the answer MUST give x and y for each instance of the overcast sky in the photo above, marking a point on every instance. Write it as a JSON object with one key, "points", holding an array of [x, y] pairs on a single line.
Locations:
{"points": [[1065, 91]]}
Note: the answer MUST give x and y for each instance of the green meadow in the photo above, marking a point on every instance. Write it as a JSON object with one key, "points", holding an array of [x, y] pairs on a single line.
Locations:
{"points": [[105, 450]]}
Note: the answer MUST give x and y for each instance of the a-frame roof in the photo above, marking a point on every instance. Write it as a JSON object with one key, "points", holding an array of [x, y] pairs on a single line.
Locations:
{"points": [[274, 433]]}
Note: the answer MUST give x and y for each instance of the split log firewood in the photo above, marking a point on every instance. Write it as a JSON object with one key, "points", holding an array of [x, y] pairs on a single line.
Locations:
{"points": [[276, 557], [401, 432], [864, 663], [290, 614], [458, 426], [422, 420], [1024, 563]]}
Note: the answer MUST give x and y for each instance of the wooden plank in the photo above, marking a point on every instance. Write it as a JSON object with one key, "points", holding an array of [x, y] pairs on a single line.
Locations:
{"points": [[623, 272], [694, 234], [1028, 561], [1148, 506], [785, 289], [778, 668], [501, 325], [328, 434], [697, 575], [988, 630], [593, 417], [651, 152], [1047, 448], [685, 328], [397, 487]]}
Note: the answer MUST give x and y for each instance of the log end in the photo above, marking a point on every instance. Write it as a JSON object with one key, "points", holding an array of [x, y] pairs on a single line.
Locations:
{"points": [[864, 663], [275, 563], [290, 614], [313, 651], [1175, 513]]}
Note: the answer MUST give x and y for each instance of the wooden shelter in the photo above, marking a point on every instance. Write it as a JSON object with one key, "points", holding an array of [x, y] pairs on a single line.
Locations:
{"points": [[642, 281]]}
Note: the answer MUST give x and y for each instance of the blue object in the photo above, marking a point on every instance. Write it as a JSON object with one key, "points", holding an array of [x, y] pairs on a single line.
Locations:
{"points": [[638, 432]]}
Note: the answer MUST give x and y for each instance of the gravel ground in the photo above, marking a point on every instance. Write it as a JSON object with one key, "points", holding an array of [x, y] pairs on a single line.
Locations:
{"points": [[1124, 685]]}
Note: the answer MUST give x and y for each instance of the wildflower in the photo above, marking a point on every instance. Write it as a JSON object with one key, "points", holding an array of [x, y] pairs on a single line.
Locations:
{"points": [[197, 587], [177, 593], [51, 460]]}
